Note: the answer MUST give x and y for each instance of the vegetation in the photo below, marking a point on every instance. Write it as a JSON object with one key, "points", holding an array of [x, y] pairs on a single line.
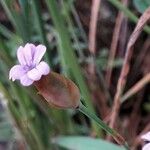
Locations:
{"points": [[102, 46]]}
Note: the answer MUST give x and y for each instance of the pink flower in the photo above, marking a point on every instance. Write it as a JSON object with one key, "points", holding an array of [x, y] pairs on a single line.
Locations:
{"points": [[146, 137], [30, 68]]}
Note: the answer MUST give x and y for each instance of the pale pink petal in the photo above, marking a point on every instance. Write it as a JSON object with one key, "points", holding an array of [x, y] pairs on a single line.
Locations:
{"points": [[27, 50], [33, 49], [40, 51], [43, 68], [25, 81], [34, 74], [146, 147], [16, 72], [146, 136], [20, 56]]}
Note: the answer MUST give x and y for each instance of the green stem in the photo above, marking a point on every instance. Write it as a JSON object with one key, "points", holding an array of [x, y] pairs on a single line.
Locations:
{"points": [[128, 13], [117, 137]]}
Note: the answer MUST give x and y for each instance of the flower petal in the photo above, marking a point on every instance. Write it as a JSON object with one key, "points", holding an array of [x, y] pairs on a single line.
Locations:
{"points": [[34, 74], [33, 49], [25, 81], [20, 56], [40, 51], [146, 147], [27, 50], [43, 68], [16, 72], [25, 54], [146, 136]]}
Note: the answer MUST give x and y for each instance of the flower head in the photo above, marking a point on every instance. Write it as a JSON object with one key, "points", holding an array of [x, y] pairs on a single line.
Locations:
{"points": [[31, 68], [146, 138]]}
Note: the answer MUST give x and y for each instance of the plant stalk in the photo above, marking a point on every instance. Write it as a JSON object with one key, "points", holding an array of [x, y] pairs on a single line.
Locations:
{"points": [[117, 137]]}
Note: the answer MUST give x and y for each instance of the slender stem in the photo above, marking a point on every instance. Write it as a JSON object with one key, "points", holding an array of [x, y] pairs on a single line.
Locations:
{"points": [[117, 137], [85, 111]]}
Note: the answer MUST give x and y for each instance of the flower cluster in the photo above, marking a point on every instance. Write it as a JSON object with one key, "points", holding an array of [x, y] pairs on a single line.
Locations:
{"points": [[31, 68], [146, 138]]}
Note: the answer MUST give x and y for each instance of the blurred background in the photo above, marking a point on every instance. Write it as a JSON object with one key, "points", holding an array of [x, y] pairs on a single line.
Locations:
{"points": [[86, 41]]}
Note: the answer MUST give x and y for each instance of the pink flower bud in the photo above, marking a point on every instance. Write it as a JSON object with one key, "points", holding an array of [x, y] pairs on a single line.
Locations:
{"points": [[58, 91]]}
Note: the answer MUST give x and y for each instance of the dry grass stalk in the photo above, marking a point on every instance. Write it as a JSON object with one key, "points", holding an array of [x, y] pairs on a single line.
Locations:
{"points": [[126, 65], [137, 87], [98, 95], [93, 25], [114, 44]]}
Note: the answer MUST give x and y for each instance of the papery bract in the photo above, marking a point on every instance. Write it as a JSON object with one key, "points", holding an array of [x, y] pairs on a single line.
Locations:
{"points": [[30, 68], [58, 91]]}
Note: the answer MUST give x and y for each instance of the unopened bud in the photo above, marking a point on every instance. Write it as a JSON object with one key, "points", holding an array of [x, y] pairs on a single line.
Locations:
{"points": [[58, 91]]}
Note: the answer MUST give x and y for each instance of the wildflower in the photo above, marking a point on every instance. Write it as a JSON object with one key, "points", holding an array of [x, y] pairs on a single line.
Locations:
{"points": [[30, 68], [58, 90], [146, 138]]}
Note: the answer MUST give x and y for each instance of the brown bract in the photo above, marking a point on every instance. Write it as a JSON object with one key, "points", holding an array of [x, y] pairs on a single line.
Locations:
{"points": [[58, 90]]}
